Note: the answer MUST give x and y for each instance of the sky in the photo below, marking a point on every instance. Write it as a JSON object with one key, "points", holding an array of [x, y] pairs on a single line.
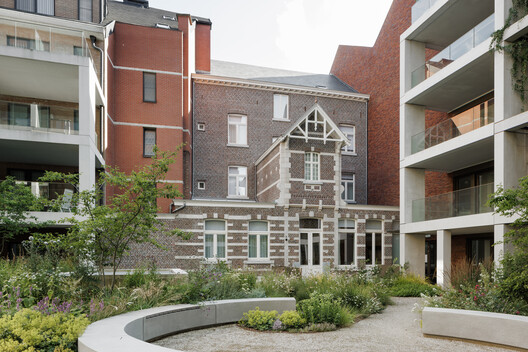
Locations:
{"points": [[298, 35]]}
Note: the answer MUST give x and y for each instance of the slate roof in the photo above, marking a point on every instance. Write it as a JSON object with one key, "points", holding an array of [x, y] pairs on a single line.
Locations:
{"points": [[147, 17], [273, 75]]}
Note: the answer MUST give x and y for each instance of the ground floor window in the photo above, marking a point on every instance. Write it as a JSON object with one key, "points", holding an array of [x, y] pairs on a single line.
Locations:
{"points": [[258, 240], [215, 239], [347, 241], [480, 250]]}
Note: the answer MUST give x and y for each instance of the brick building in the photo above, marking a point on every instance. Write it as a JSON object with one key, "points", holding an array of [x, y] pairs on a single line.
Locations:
{"points": [[274, 170]]}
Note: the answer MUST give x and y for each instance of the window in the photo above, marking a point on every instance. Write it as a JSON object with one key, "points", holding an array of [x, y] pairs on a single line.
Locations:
{"points": [[237, 181], [149, 141], [374, 247], [258, 240], [78, 51], [85, 10], [200, 126], [201, 184], [44, 7], [19, 114], [346, 241], [215, 239], [479, 250], [347, 181], [149, 87], [280, 107], [350, 133], [311, 166], [25, 43], [237, 130]]}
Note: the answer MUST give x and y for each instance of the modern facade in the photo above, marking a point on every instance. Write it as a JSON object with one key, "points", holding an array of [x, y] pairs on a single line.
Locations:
{"points": [[52, 100], [480, 143]]}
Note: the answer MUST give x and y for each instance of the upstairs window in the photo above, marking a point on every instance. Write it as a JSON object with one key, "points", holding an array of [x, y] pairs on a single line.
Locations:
{"points": [[149, 141], [43, 7], [237, 130], [311, 166], [280, 107], [149, 87], [237, 186], [85, 10], [347, 181], [350, 133]]}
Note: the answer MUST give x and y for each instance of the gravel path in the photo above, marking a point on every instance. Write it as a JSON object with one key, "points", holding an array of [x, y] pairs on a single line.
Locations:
{"points": [[396, 329]]}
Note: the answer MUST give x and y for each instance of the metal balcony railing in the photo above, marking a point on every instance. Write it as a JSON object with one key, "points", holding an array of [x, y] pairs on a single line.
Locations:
{"points": [[467, 201], [38, 117], [458, 48], [467, 121]]}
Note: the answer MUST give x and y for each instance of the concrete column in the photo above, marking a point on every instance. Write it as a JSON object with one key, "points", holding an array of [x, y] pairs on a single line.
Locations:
{"points": [[412, 56], [443, 257], [412, 251], [412, 122], [412, 187], [510, 158], [86, 168], [87, 80]]}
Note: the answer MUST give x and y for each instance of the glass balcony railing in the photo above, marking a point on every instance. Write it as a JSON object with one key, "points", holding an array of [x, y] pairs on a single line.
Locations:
{"points": [[467, 121], [420, 8], [37, 117], [52, 191], [460, 47], [43, 38], [468, 201]]}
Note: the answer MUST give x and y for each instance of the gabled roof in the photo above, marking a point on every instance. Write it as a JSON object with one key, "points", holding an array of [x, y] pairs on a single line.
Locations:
{"points": [[274, 75], [315, 124]]}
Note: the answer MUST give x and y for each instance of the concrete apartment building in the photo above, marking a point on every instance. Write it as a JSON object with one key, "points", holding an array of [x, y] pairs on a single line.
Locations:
{"points": [[52, 100], [480, 144]]}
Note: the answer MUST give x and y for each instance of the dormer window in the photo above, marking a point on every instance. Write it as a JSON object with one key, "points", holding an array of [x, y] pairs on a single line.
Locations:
{"points": [[161, 25], [171, 18]]}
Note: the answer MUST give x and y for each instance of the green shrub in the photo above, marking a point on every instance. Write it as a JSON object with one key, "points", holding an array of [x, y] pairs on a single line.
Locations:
{"points": [[291, 319], [29, 330], [412, 286], [324, 308], [260, 319]]}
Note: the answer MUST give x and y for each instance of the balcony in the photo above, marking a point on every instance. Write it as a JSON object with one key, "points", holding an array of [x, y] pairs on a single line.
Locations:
{"points": [[38, 117], [467, 201], [454, 51], [49, 191], [43, 38], [420, 8], [464, 122]]}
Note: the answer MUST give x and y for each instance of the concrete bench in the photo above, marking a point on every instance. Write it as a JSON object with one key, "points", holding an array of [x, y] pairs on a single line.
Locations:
{"points": [[131, 331], [502, 329]]}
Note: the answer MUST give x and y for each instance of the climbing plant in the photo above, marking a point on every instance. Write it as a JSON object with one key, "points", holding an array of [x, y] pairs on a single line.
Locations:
{"points": [[518, 50]]}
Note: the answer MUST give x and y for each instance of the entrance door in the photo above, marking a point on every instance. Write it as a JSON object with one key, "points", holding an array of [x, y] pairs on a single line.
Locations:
{"points": [[310, 252]]}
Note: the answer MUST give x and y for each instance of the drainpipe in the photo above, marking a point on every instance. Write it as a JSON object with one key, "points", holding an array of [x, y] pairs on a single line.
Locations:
{"points": [[93, 39], [192, 144]]}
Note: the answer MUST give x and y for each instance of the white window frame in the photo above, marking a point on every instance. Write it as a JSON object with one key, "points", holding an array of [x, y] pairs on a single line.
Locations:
{"points": [[258, 234], [374, 233], [344, 182], [279, 99], [237, 177], [350, 132], [239, 126], [215, 234], [344, 231], [310, 164]]}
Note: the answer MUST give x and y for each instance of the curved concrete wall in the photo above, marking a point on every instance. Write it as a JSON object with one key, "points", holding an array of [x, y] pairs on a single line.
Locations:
{"points": [[130, 331], [503, 329]]}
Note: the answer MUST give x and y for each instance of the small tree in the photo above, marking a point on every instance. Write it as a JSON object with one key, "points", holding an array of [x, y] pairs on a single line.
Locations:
{"points": [[514, 202], [16, 200], [129, 216]]}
